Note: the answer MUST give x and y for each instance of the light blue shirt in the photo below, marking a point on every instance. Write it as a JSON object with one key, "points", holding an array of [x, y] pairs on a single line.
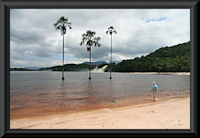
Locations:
{"points": [[154, 87]]}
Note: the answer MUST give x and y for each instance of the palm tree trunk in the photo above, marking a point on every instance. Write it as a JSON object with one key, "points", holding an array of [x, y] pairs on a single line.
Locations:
{"points": [[90, 65], [111, 58], [63, 60]]}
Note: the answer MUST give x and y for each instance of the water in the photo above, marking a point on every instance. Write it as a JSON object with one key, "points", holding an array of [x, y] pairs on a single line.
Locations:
{"points": [[37, 93]]}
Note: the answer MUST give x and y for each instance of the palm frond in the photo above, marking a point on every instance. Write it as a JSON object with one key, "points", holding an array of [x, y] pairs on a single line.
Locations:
{"points": [[81, 43], [62, 18], [90, 33], [84, 38], [55, 24], [90, 40], [97, 39], [96, 44], [58, 27], [61, 22], [89, 43], [111, 30], [66, 20]]}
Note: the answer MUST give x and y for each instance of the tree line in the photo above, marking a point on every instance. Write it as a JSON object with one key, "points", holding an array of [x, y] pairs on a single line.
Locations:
{"points": [[166, 59], [73, 67], [20, 69]]}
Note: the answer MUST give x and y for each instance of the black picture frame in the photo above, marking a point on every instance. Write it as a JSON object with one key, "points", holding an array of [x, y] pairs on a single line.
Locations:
{"points": [[6, 5]]}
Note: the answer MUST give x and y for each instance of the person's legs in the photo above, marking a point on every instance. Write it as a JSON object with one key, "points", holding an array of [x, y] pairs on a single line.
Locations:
{"points": [[154, 94]]}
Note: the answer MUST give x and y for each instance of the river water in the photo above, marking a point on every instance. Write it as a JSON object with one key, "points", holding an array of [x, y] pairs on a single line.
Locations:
{"points": [[37, 93]]}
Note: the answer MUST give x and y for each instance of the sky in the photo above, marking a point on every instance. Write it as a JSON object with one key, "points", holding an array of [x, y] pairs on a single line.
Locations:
{"points": [[34, 41]]}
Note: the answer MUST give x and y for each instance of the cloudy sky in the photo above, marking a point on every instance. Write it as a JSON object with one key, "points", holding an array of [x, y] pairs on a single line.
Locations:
{"points": [[34, 42]]}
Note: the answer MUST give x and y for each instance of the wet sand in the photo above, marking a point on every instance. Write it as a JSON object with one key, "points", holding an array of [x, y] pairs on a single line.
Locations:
{"points": [[40, 106], [163, 113]]}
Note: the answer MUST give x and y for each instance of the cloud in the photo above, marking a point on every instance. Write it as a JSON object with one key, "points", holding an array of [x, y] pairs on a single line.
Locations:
{"points": [[139, 31]]}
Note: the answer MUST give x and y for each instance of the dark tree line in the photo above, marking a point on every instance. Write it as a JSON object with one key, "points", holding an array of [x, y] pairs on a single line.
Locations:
{"points": [[20, 69], [71, 67], [166, 59]]}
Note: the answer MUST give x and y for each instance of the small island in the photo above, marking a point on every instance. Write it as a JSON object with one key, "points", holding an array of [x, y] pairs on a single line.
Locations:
{"points": [[20, 69]]}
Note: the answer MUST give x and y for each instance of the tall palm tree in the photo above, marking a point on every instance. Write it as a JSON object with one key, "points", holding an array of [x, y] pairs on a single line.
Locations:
{"points": [[91, 40], [111, 31], [61, 25]]}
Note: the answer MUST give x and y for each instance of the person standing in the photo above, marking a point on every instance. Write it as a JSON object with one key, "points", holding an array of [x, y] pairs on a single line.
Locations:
{"points": [[154, 89]]}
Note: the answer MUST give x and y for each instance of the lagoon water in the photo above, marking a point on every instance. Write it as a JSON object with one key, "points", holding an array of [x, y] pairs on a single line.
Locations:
{"points": [[35, 93]]}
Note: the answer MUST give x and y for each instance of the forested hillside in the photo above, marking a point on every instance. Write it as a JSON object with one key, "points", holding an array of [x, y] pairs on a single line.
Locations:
{"points": [[70, 67], [20, 69], [166, 59]]}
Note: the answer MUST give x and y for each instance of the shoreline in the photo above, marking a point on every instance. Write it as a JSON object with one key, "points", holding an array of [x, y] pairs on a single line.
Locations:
{"points": [[44, 110], [162, 73], [157, 73], [161, 114]]}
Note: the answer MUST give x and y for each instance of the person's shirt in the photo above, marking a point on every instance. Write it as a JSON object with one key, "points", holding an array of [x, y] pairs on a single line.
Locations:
{"points": [[154, 87]]}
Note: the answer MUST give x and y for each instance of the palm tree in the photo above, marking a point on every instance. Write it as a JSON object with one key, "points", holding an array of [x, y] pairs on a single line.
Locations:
{"points": [[91, 40], [111, 31], [60, 25]]}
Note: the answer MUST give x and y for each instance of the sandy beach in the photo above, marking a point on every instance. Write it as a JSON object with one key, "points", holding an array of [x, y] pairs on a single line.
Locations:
{"points": [[171, 114]]}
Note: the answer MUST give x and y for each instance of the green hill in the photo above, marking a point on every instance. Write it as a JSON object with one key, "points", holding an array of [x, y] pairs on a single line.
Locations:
{"points": [[20, 69], [70, 67], [166, 59]]}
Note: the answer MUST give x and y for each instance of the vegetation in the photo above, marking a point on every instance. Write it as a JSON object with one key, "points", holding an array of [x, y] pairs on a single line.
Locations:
{"points": [[110, 67], [166, 59], [60, 25], [70, 67], [20, 69], [91, 40], [43, 69], [100, 66]]}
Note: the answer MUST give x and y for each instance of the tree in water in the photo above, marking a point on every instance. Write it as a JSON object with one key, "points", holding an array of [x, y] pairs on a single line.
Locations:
{"points": [[111, 31], [61, 25], [90, 40]]}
